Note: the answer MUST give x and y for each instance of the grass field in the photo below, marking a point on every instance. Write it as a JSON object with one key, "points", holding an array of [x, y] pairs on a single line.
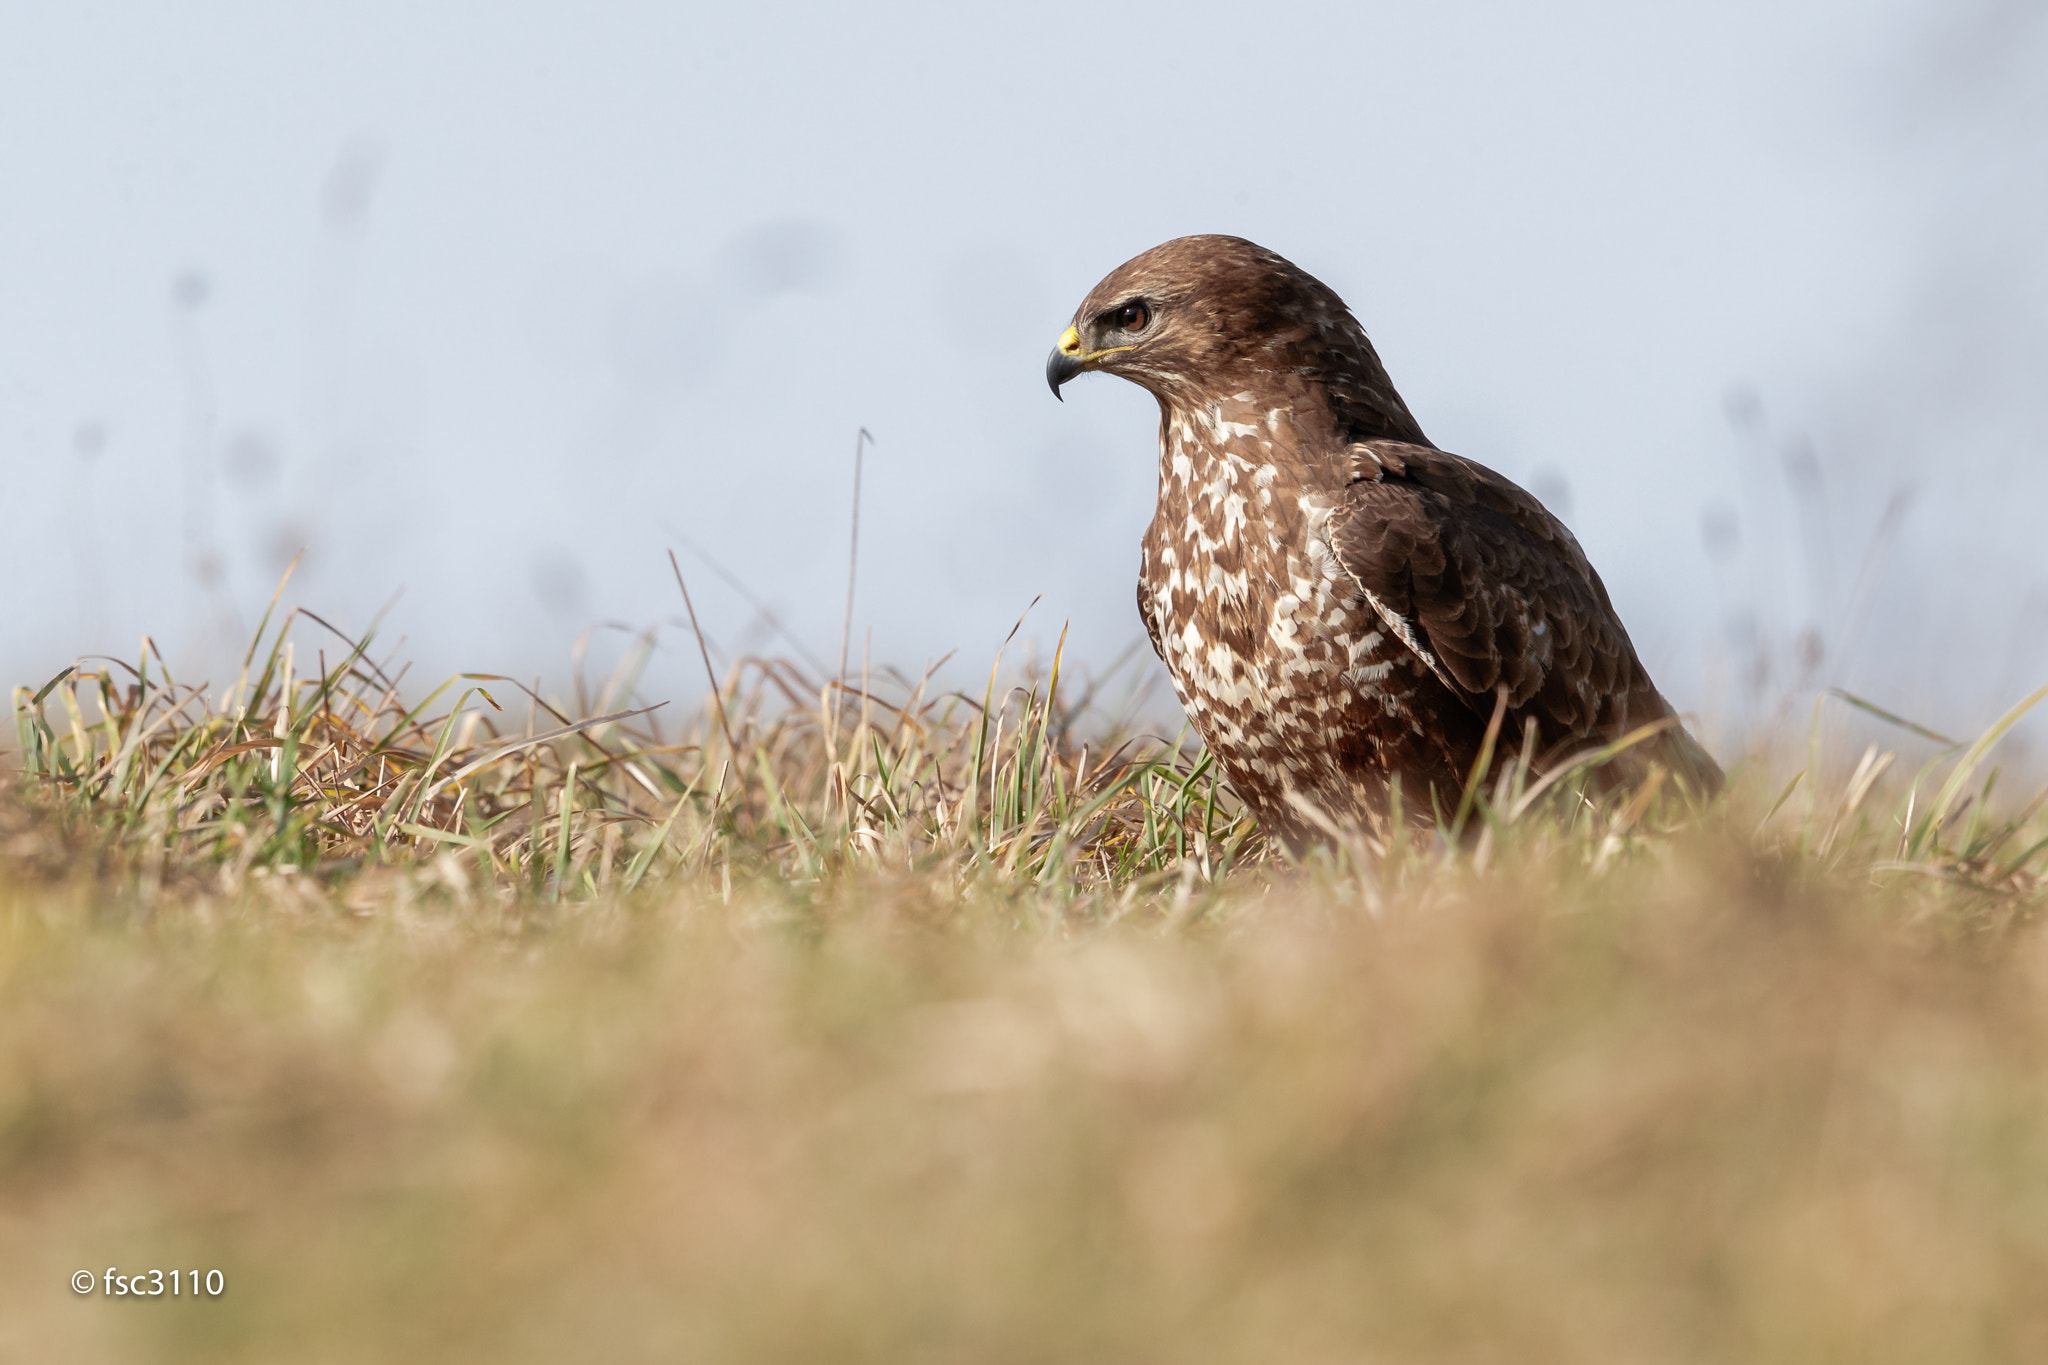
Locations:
{"points": [[886, 1025]]}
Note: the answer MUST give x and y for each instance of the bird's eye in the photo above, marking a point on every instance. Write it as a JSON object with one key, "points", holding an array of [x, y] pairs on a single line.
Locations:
{"points": [[1133, 316]]}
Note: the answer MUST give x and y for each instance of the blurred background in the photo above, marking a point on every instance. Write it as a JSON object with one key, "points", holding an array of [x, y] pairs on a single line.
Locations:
{"points": [[490, 305]]}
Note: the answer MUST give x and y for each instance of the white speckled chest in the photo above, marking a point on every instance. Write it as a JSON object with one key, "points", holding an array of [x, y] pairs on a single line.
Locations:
{"points": [[1273, 649]]}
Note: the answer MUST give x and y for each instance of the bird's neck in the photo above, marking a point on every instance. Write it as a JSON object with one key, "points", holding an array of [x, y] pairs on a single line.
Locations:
{"points": [[1361, 400], [1242, 445], [1312, 399], [1303, 430]]}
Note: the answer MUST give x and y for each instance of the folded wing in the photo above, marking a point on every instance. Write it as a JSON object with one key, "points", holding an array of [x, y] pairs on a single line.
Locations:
{"points": [[1494, 594]]}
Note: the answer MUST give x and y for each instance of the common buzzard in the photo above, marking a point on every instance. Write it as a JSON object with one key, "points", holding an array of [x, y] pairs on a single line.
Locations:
{"points": [[1342, 605]]}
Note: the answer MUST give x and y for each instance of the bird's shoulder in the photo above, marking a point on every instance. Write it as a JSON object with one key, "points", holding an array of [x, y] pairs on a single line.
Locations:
{"points": [[1437, 491]]}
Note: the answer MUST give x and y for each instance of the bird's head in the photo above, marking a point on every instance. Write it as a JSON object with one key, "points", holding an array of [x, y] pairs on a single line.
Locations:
{"points": [[1190, 313], [1199, 318]]}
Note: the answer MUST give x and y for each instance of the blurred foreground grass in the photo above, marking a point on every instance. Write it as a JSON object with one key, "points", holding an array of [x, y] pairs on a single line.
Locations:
{"points": [[884, 1026]]}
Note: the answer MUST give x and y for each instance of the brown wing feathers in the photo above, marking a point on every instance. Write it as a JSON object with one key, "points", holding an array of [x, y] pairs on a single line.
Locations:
{"points": [[1494, 588]]}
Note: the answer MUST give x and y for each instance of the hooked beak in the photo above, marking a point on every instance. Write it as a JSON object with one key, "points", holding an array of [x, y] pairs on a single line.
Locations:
{"points": [[1068, 359], [1065, 362], [1059, 368]]}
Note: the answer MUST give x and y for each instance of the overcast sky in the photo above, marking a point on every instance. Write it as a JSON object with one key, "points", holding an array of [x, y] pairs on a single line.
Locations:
{"points": [[495, 304]]}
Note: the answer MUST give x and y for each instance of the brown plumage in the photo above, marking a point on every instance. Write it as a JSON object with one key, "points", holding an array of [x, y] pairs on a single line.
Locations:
{"points": [[1342, 605]]}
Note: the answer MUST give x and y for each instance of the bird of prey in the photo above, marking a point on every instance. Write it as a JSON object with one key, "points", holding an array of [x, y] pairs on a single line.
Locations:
{"points": [[1343, 606]]}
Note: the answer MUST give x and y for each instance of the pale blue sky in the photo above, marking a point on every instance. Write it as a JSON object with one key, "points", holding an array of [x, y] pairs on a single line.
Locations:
{"points": [[493, 303]]}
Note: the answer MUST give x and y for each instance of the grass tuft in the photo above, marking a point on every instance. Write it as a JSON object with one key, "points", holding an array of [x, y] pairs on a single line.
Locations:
{"points": [[319, 765]]}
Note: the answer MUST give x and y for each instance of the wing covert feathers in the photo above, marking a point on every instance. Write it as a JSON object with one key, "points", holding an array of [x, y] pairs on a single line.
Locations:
{"points": [[1495, 594]]}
